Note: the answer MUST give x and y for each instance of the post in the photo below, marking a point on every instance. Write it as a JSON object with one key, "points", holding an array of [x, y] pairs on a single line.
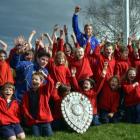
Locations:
{"points": [[126, 21]]}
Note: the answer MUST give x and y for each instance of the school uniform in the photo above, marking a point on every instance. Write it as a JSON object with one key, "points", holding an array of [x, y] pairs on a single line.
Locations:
{"points": [[37, 112], [10, 115], [108, 103]]}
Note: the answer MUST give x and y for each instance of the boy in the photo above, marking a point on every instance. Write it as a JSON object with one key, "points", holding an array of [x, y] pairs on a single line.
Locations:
{"points": [[36, 105], [10, 114]]}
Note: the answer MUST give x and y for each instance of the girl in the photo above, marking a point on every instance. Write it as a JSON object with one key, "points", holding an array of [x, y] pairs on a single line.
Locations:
{"points": [[59, 70], [109, 100], [131, 89]]}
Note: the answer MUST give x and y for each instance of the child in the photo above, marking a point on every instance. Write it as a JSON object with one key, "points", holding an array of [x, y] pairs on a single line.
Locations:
{"points": [[109, 101], [89, 89], [122, 64], [101, 58], [5, 70], [60, 91], [24, 70], [131, 89], [59, 70], [10, 114], [81, 63], [36, 108]]}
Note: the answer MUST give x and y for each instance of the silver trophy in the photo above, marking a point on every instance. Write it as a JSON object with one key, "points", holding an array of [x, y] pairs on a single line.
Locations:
{"points": [[77, 111]]}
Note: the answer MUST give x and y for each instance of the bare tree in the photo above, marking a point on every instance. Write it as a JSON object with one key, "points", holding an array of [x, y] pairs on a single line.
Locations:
{"points": [[107, 17]]}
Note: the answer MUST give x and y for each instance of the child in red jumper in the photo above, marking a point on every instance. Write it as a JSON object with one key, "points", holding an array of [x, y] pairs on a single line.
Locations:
{"points": [[131, 89], [60, 91], [109, 101], [89, 89], [5, 70], [10, 114], [36, 105]]}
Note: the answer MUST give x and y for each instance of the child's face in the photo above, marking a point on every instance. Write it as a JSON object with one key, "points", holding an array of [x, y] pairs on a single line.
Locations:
{"points": [[36, 81], [87, 85], [60, 60], [43, 61], [8, 92], [136, 54], [2, 56], [131, 75], [80, 53], [29, 57], [114, 84], [108, 51], [124, 55], [67, 50]]}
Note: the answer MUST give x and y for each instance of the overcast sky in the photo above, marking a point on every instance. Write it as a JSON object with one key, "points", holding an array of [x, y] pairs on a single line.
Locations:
{"points": [[22, 16]]}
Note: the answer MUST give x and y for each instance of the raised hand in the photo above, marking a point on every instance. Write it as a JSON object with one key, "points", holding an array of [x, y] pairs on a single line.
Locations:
{"points": [[73, 71]]}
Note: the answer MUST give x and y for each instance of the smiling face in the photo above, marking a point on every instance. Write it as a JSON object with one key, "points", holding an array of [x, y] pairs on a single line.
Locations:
{"points": [[2, 56], [36, 81], [114, 83], [87, 85], [88, 30], [79, 53], [43, 61], [108, 51], [131, 75], [8, 91]]}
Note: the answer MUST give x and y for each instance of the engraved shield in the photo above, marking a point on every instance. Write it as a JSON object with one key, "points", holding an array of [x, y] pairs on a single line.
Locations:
{"points": [[77, 111]]}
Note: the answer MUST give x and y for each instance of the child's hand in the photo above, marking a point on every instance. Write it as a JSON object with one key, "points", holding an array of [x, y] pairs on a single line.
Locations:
{"points": [[105, 69], [56, 28], [73, 71], [135, 84], [65, 29], [77, 9], [57, 85], [110, 115], [61, 33]]}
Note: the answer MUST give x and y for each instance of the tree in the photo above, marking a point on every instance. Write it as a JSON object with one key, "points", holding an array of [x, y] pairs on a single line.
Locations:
{"points": [[107, 17]]}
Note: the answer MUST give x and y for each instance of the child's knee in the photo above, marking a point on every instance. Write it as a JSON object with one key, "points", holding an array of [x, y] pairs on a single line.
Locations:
{"points": [[21, 136]]}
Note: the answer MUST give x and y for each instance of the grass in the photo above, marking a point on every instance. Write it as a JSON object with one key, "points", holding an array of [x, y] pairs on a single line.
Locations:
{"points": [[120, 131]]}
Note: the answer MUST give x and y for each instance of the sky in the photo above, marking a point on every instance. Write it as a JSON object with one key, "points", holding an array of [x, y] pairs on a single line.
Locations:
{"points": [[22, 16]]}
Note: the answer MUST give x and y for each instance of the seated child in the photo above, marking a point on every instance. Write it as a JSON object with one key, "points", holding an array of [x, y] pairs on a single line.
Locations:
{"points": [[36, 109], [10, 114], [109, 101]]}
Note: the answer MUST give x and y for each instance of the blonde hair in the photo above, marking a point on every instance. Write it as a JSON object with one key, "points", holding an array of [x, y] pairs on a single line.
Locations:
{"points": [[60, 54]]}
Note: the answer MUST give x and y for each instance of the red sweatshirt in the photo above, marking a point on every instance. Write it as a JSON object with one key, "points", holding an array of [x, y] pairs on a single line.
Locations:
{"points": [[132, 94], [91, 94], [109, 99], [11, 114], [100, 64], [44, 112], [5, 73], [121, 68], [59, 73], [83, 69]]}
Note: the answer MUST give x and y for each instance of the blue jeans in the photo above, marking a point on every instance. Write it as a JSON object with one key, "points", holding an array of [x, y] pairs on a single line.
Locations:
{"points": [[42, 129], [95, 120], [133, 114], [106, 119]]}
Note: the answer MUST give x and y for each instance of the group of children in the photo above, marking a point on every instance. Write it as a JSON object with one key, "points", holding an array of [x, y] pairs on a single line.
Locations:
{"points": [[34, 81]]}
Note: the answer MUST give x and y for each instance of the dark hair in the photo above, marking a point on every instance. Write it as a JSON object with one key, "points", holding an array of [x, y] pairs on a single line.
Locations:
{"points": [[42, 53], [8, 84], [3, 51], [92, 82], [86, 25]]}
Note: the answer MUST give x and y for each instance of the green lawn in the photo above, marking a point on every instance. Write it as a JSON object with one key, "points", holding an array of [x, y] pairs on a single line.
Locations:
{"points": [[121, 131]]}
